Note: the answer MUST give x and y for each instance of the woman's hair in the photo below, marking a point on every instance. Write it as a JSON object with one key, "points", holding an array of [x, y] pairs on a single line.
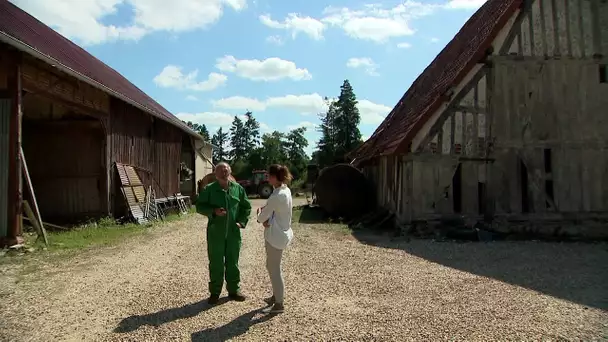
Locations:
{"points": [[281, 172]]}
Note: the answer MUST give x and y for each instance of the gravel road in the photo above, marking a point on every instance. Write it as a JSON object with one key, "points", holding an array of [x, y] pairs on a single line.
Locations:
{"points": [[153, 288]]}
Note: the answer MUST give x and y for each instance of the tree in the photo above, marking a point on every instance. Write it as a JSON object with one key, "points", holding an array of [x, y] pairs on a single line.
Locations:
{"points": [[348, 136], [339, 128], [252, 132], [200, 129], [219, 139], [204, 132], [326, 146], [238, 140], [296, 144]]}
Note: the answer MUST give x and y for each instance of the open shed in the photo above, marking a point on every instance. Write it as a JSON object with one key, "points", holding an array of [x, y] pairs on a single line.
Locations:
{"points": [[70, 118]]}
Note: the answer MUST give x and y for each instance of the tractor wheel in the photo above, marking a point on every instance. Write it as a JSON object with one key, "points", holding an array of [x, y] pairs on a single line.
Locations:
{"points": [[265, 190]]}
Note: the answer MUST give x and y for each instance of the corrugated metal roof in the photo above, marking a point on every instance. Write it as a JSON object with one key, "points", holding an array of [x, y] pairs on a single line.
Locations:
{"points": [[27, 30], [449, 68]]}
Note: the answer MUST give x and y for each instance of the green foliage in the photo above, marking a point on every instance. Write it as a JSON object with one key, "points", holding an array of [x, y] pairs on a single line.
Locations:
{"points": [[201, 129], [339, 128], [220, 140], [238, 140]]}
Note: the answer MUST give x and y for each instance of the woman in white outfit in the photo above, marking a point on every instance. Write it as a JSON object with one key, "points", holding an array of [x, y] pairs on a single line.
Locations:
{"points": [[276, 217]]}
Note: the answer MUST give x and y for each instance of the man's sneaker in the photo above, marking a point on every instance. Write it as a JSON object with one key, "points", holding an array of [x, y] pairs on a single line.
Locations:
{"points": [[237, 297], [270, 300], [213, 299], [277, 308]]}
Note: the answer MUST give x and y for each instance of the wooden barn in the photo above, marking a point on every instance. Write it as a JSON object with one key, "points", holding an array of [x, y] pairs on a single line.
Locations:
{"points": [[507, 125], [72, 119]]}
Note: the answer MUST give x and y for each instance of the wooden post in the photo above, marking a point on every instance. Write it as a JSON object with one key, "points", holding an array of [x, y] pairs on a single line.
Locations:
{"points": [[15, 196]]}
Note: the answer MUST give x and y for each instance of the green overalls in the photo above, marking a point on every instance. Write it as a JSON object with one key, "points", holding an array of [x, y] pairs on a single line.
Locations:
{"points": [[223, 235]]}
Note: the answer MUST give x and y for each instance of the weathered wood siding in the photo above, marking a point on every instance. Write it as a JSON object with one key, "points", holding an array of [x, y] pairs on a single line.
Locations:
{"points": [[569, 28], [525, 135], [151, 145], [549, 126]]}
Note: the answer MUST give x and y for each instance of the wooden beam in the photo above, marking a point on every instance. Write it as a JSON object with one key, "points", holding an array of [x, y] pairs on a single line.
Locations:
{"points": [[469, 109], [15, 196], [75, 106], [516, 28], [451, 107]]}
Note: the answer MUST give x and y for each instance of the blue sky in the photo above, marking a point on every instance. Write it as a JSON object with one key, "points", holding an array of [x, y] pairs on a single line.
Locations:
{"points": [[208, 60]]}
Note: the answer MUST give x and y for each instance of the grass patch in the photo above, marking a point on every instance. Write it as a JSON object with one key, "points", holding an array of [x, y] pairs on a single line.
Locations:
{"points": [[105, 232]]}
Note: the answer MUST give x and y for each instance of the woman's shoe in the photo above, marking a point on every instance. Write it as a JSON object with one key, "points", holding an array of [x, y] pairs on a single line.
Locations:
{"points": [[277, 308], [270, 300]]}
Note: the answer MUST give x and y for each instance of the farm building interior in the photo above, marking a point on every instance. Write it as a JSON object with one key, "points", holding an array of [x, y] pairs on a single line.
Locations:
{"points": [[65, 154]]}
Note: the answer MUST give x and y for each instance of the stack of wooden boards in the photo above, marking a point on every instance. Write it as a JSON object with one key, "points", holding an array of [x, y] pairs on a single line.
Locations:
{"points": [[140, 201]]}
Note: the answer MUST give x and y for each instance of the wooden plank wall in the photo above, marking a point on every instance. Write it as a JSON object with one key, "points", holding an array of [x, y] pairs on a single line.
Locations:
{"points": [[151, 145], [572, 28], [549, 124]]}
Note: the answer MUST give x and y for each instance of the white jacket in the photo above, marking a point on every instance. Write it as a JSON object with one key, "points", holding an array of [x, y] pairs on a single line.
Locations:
{"points": [[278, 211]]}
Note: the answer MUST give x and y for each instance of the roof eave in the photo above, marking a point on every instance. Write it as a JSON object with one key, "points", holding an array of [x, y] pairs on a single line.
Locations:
{"points": [[21, 46]]}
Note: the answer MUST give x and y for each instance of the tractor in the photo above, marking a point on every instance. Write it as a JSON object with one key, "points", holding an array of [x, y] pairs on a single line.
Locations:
{"points": [[257, 184]]}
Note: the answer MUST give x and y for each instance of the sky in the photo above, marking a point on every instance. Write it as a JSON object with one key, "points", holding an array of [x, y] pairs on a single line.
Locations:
{"points": [[209, 60]]}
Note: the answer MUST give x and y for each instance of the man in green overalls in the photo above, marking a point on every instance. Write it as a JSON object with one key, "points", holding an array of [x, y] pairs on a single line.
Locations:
{"points": [[226, 205]]}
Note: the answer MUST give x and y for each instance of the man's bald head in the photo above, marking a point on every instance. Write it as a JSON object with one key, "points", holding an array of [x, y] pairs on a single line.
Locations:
{"points": [[222, 171]]}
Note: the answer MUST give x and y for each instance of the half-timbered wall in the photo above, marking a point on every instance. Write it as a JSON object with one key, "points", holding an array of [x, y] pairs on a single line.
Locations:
{"points": [[526, 134], [568, 28], [549, 129]]}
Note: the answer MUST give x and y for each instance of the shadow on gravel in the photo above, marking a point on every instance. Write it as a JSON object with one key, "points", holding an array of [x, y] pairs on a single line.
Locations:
{"points": [[577, 272], [133, 323], [237, 327]]}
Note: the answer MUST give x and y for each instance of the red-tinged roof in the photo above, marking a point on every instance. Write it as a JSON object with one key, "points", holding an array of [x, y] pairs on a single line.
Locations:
{"points": [[427, 92], [32, 36]]}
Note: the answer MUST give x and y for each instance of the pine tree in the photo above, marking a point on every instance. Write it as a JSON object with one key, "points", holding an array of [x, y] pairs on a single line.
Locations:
{"points": [[204, 132], [347, 120], [296, 144], [251, 133], [326, 147], [238, 140], [219, 139]]}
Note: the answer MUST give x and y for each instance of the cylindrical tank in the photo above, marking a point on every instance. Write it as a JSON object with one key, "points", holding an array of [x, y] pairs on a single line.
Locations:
{"points": [[342, 190]]}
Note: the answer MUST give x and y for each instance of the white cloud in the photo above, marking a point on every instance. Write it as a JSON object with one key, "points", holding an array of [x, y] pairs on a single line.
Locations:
{"points": [[365, 63], [269, 69], [83, 20], [465, 4], [239, 103], [213, 120], [376, 23], [434, 40], [172, 77], [404, 45], [276, 40], [307, 104], [372, 113], [304, 104], [371, 22], [191, 98], [296, 24], [310, 126]]}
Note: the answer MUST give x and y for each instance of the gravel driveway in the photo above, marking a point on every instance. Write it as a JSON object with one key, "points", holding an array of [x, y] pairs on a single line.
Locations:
{"points": [[338, 288]]}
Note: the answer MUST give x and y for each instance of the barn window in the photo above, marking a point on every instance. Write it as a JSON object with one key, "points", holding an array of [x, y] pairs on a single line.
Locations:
{"points": [[603, 73]]}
